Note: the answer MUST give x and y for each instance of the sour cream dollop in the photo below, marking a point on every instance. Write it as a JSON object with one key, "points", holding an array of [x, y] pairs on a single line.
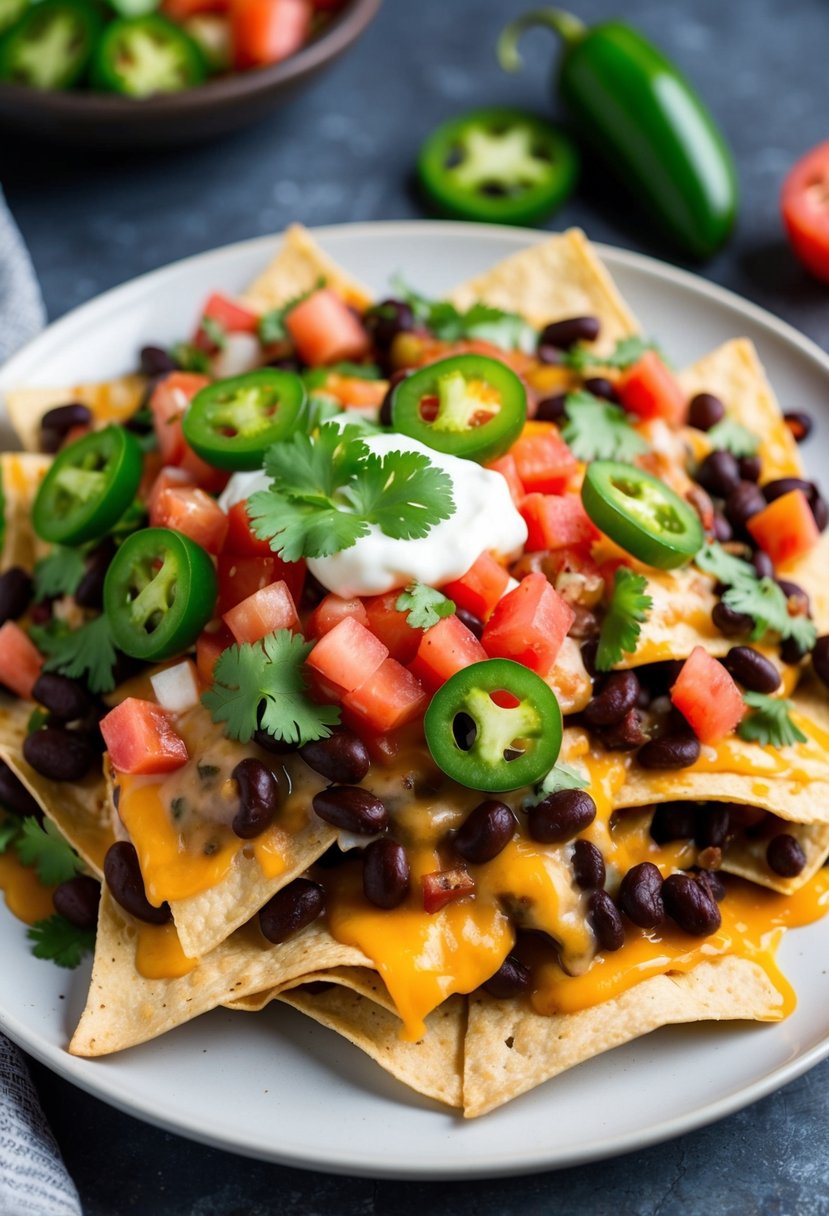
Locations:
{"points": [[485, 518]]}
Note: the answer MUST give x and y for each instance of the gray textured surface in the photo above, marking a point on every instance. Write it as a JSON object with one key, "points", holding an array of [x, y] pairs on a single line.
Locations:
{"points": [[342, 152]]}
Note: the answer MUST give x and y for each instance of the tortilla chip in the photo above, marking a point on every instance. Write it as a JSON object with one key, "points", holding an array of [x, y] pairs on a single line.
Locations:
{"points": [[747, 858], [296, 269], [20, 476], [125, 1008], [679, 620], [510, 1049], [364, 980], [561, 277], [109, 400], [812, 574], [569, 679]]}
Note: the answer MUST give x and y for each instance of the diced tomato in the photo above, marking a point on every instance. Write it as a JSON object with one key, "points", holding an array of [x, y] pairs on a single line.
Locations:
{"points": [[389, 698], [261, 613], [266, 31], [209, 645], [355, 393], [441, 887], [20, 660], [707, 697], [557, 522], [168, 478], [650, 390], [241, 539], [390, 625], [445, 649], [348, 654], [180, 10], [195, 514], [206, 477], [140, 738], [480, 589], [240, 577], [230, 317], [330, 611], [805, 205], [324, 329], [169, 400], [542, 459], [786, 528], [529, 625], [506, 466]]}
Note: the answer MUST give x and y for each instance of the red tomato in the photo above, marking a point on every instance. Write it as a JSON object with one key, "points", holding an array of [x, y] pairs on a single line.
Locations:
{"points": [[805, 205], [209, 645], [266, 31], [170, 399], [557, 522], [330, 611], [529, 625], [141, 739], [355, 393], [445, 649], [786, 528], [193, 513], [506, 466], [441, 887], [650, 390], [325, 330], [348, 654], [209, 479], [391, 626], [180, 10], [231, 318], [261, 613], [240, 577], [388, 699], [480, 589], [542, 459], [241, 539], [168, 478], [707, 697], [20, 660]]}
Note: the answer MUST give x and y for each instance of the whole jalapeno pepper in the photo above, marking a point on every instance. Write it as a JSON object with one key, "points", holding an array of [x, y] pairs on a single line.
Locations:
{"points": [[641, 116]]}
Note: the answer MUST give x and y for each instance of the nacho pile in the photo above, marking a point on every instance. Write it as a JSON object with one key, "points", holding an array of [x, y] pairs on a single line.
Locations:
{"points": [[453, 672]]}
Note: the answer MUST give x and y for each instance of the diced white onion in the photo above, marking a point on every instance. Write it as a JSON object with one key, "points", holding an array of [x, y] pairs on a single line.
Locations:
{"points": [[176, 688]]}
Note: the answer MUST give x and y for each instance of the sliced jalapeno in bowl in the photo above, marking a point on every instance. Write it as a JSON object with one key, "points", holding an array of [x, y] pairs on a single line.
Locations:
{"points": [[88, 487], [143, 56], [494, 726], [468, 405], [641, 514], [232, 423], [159, 593], [51, 45]]}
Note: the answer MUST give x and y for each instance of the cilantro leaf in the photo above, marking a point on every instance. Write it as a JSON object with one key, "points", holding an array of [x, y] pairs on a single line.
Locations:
{"points": [[271, 327], [444, 320], [560, 777], [770, 724], [9, 833], [263, 684], [59, 573], [733, 437], [214, 331], [189, 357], [58, 940], [760, 598], [86, 654], [425, 605], [629, 607], [50, 853], [599, 430], [626, 352], [402, 492], [724, 566], [302, 529]]}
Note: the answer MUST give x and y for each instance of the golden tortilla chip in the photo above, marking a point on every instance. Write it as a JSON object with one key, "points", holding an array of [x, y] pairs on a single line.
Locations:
{"points": [[569, 679], [296, 269], [20, 476], [510, 1049], [364, 980], [109, 400], [812, 574], [561, 277]]}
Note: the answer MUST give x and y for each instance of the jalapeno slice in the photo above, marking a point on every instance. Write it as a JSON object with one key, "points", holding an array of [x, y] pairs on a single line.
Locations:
{"points": [[494, 726], [641, 514], [232, 423], [88, 487], [142, 56], [159, 593], [467, 405], [498, 165], [51, 45]]}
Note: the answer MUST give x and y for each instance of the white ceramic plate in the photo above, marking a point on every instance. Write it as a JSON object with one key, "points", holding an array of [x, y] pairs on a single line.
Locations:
{"points": [[277, 1086]]}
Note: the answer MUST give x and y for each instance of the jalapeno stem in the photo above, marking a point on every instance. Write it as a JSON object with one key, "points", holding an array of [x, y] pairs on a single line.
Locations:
{"points": [[568, 27]]}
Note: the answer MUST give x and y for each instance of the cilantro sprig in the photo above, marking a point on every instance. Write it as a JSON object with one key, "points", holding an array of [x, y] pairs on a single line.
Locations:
{"points": [[760, 598], [328, 489], [47, 850], [59, 941], [86, 654], [770, 723], [625, 353], [731, 436], [599, 430], [444, 320], [214, 331], [60, 572], [272, 324], [628, 610], [425, 605]]}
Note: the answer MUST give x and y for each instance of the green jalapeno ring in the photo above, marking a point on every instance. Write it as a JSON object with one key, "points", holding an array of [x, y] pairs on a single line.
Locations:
{"points": [[147, 55], [88, 487], [50, 45], [453, 429], [533, 727], [159, 593], [232, 423], [641, 514]]}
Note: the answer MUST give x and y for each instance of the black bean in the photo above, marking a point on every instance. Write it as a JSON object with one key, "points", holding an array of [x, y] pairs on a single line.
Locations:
{"points": [[291, 909], [566, 333], [551, 409], [122, 872], [618, 694], [670, 752], [785, 855], [602, 388], [673, 821], [752, 669], [90, 590], [640, 895], [792, 652], [589, 869], [351, 808], [820, 510], [606, 921], [800, 424], [156, 361], [589, 650], [66, 699], [704, 411], [750, 468], [626, 735], [258, 797], [713, 882], [551, 355], [784, 485], [820, 659], [56, 424], [384, 417], [473, 623], [15, 593], [691, 905], [719, 474], [342, 757], [713, 826], [561, 816], [15, 797], [385, 873], [659, 677], [793, 591], [744, 501], [384, 321], [59, 754], [763, 564], [731, 624], [723, 532], [269, 743], [77, 899], [486, 832], [510, 980]]}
